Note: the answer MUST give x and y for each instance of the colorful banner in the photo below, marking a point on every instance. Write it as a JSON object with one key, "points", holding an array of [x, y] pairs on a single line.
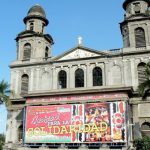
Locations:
{"points": [[76, 123]]}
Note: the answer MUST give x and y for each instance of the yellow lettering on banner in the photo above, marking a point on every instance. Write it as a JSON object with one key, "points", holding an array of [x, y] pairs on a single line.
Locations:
{"points": [[30, 132], [37, 131], [50, 130], [86, 128], [58, 130], [63, 130], [94, 128], [72, 128], [103, 126], [42, 131]]}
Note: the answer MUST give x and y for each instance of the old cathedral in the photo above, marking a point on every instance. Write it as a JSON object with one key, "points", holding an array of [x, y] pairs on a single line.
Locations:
{"points": [[83, 98]]}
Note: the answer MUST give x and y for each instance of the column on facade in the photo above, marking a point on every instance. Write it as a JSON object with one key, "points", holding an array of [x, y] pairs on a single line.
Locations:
{"points": [[123, 65], [31, 80], [88, 75], [107, 74], [13, 127], [18, 83], [8, 126], [127, 73], [103, 74], [37, 78], [51, 78], [84, 67], [132, 36], [71, 76], [134, 76], [148, 39], [68, 76], [54, 72]]}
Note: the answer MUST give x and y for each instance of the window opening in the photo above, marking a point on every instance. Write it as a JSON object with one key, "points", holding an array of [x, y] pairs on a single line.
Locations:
{"points": [[79, 78]]}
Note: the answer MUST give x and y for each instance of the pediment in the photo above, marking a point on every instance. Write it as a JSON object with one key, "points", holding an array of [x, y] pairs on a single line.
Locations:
{"points": [[79, 52]]}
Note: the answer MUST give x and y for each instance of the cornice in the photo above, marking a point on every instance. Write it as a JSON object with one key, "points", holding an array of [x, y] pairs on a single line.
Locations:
{"points": [[102, 89]]}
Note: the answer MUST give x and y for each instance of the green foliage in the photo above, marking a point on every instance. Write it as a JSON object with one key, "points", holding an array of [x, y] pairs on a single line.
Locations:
{"points": [[144, 87], [2, 141], [142, 143], [4, 91]]}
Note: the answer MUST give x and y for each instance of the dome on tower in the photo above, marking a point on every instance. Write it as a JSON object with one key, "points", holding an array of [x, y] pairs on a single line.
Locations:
{"points": [[36, 11], [130, 1]]}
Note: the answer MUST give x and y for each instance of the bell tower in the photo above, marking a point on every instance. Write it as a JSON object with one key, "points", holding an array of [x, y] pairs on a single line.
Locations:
{"points": [[135, 28], [33, 44]]}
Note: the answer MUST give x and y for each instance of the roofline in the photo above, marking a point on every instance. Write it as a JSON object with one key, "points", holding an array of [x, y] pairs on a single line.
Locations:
{"points": [[81, 47], [51, 61], [21, 35]]}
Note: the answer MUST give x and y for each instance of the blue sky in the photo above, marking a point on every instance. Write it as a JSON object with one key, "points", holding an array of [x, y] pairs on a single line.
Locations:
{"points": [[97, 21]]}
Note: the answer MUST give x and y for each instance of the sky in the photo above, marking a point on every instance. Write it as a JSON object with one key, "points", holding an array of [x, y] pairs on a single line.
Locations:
{"points": [[96, 21]]}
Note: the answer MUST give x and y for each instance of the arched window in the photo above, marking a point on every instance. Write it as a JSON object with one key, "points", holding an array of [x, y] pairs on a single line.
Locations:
{"points": [[24, 84], [31, 26], [140, 37], [97, 76], [46, 52], [79, 78], [141, 72], [62, 79], [27, 51], [145, 128]]}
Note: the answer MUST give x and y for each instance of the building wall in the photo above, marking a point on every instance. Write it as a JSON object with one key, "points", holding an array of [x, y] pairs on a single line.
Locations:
{"points": [[118, 69]]}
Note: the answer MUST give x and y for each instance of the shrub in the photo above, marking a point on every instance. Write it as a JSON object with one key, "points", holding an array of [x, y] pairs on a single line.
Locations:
{"points": [[142, 143]]}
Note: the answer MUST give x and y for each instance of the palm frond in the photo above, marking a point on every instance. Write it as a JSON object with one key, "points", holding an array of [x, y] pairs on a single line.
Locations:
{"points": [[4, 93], [143, 87]]}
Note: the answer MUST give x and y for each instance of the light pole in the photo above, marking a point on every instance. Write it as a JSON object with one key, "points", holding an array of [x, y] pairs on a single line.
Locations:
{"points": [[131, 136]]}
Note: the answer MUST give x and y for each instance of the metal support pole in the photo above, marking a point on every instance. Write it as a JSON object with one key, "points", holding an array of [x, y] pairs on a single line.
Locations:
{"points": [[131, 136]]}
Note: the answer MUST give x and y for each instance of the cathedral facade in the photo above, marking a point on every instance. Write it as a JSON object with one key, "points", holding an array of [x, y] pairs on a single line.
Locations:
{"points": [[84, 98]]}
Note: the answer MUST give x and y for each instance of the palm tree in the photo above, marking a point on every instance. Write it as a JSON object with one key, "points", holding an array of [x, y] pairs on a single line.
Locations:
{"points": [[144, 87], [4, 93]]}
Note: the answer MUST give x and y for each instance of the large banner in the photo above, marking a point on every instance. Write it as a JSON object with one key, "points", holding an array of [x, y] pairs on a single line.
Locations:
{"points": [[76, 123]]}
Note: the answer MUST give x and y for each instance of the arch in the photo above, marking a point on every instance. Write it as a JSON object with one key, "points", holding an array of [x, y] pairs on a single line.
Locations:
{"points": [[141, 72], [24, 84], [140, 37], [62, 79], [31, 26], [97, 76], [27, 51], [46, 52], [79, 78], [145, 129]]}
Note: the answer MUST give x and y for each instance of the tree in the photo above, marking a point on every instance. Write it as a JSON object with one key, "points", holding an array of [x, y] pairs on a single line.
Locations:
{"points": [[4, 93], [144, 87], [2, 140]]}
